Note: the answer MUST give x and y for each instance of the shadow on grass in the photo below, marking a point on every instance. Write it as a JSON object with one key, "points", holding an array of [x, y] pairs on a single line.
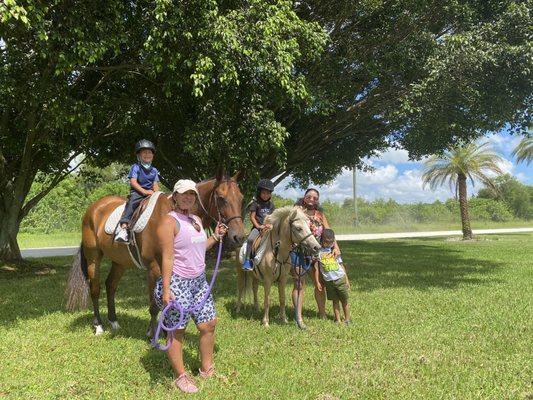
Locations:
{"points": [[156, 363], [419, 265], [372, 265]]}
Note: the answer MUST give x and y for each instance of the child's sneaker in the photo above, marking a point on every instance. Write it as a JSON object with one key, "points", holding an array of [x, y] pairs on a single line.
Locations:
{"points": [[121, 236], [186, 384], [247, 266]]}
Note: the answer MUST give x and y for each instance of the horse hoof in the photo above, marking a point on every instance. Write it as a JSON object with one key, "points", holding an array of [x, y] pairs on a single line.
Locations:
{"points": [[99, 329], [114, 325], [284, 320], [266, 324], [301, 325]]}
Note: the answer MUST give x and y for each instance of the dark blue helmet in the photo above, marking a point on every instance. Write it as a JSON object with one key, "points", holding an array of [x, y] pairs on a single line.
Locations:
{"points": [[144, 144], [265, 184]]}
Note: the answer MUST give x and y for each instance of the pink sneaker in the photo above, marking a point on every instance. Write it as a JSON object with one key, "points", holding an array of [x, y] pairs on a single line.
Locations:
{"points": [[207, 374], [186, 384]]}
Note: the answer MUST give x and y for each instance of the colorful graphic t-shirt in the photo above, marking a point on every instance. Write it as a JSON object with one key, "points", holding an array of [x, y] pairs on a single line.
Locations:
{"points": [[330, 267]]}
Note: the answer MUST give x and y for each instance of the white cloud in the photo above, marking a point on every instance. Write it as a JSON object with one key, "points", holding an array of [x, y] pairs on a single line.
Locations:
{"points": [[502, 143], [395, 156], [395, 177]]}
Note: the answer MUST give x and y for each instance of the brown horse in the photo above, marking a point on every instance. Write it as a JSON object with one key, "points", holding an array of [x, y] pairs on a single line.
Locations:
{"points": [[221, 199], [290, 226]]}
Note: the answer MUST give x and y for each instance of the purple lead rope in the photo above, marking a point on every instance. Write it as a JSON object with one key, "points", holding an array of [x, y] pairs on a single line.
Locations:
{"points": [[177, 305]]}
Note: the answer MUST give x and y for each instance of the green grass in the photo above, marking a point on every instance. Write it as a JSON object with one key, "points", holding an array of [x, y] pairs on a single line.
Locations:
{"points": [[434, 319], [55, 239]]}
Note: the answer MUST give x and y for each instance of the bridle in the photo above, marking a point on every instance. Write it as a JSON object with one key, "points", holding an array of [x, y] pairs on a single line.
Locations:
{"points": [[214, 197]]}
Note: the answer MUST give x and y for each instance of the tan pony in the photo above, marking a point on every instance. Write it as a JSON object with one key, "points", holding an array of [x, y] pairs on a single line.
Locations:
{"points": [[290, 226], [222, 200]]}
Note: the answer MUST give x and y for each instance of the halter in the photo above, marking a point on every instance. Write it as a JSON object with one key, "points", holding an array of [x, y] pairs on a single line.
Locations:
{"points": [[293, 244]]}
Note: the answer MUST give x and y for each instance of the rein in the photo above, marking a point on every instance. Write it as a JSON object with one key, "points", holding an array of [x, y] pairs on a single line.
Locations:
{"points": [[182, 311]]}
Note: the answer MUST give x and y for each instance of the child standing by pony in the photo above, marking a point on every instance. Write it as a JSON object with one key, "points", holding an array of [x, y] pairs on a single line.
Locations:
{"points": [[259, 209], [334, 275], [144, 180]]}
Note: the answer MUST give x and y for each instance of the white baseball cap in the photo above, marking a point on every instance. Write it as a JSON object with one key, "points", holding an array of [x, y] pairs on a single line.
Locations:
{"points": [[184, 185]]}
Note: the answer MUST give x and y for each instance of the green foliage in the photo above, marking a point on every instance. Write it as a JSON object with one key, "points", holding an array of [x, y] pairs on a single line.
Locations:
{"points": [[63, 208], [424, 73], [517, 196]]}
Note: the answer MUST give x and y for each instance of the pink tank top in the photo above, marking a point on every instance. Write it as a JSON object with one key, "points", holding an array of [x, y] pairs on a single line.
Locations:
{"points": [[189, 247]]}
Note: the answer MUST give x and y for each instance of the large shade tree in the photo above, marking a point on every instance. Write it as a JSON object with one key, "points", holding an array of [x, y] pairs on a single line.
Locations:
{"points": [[92, 77], [272, 87], [463, 162]]}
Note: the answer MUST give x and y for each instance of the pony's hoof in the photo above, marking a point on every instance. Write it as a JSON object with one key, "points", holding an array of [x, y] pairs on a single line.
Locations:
{"points": [[266, 324], [114, 325], [284, 320], [98, 330], [301, 325]]}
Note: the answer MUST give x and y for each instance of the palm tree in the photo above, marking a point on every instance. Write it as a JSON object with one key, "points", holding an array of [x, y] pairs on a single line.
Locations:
{"points": [[524, 150], [456, 165]]}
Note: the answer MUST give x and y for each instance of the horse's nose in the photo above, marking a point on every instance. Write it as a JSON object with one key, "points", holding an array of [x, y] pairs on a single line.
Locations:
{"points": [[238, 239]]}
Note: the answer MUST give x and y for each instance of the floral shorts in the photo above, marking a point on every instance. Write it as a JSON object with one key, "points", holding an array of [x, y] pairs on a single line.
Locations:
{"points": [[189, 292]]}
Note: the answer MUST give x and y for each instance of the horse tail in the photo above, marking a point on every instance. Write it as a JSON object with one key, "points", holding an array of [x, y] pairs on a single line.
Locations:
{"points": [[77, 290]]}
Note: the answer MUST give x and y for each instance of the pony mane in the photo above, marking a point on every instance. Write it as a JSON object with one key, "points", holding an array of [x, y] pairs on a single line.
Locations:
{"points": [[280, 214]]}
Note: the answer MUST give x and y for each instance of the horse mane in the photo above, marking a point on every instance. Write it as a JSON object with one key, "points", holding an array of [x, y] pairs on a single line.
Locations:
{"points": [[214, 178], [280, 214]]}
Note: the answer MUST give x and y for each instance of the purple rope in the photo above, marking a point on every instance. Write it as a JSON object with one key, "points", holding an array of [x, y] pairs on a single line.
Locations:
{"points": [[177, 305]]}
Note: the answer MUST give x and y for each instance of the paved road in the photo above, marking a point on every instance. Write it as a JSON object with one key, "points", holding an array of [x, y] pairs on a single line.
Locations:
{"points": [[68, 251]]}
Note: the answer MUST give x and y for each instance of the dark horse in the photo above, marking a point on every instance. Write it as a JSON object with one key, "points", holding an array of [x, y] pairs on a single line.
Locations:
{"points": [[222, 200]]}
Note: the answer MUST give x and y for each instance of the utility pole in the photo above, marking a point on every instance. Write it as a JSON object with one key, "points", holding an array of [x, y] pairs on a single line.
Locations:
{"points": [[354, 187]]}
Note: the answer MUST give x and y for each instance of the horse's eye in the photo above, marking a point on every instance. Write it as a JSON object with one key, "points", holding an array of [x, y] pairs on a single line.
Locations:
{"points": [[299, 228]]}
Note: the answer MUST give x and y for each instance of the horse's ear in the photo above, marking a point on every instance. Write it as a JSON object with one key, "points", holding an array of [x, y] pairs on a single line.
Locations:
{"points": [[239, 175], [220, 173]]}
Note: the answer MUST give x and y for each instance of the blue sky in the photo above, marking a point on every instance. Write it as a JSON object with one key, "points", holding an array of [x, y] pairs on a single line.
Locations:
{"points": [[398, 178]]}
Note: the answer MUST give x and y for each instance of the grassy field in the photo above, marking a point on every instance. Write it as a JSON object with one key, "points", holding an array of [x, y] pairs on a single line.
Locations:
{"points": [[434, 319], [58, 239]]}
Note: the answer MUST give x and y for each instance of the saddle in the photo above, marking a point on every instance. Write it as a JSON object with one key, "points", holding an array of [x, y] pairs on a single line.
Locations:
{"points": [[140, 217], [138, 222], [258, 248]]}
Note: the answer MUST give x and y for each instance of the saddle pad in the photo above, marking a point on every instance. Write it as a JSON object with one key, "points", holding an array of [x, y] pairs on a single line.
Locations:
{"points": [[112, 220], [259, 253]]}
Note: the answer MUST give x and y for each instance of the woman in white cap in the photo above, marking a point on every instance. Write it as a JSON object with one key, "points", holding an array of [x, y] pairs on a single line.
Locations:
{"points": [[183, 246]]}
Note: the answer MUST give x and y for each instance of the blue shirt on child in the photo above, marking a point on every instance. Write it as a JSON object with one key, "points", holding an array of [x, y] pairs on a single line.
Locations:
{"points": [[145, 177]]}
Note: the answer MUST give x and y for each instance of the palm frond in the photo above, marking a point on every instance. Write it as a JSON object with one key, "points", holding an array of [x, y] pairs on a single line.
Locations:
{"points": [[524, 150], [476, 161]]}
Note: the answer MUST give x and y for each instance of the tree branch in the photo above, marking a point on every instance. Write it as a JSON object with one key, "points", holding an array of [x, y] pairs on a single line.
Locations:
{"points": [[57, 179]]}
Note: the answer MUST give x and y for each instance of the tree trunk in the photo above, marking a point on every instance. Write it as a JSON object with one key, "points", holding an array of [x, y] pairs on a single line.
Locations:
{"points": [[9, 248], [463, 206]]}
